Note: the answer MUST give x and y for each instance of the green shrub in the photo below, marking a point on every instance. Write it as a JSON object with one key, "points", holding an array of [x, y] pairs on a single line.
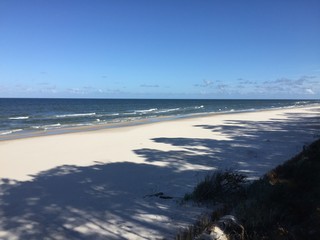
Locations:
{"points": [[283, 205], [219, 187]]}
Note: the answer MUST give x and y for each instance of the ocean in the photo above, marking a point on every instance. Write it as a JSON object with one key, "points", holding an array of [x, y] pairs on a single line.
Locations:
{"points": [[27, 117]]}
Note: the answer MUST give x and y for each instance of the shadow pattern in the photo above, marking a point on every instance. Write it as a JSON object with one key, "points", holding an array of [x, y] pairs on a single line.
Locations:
{"points": [[96, 202], [100, 201]]}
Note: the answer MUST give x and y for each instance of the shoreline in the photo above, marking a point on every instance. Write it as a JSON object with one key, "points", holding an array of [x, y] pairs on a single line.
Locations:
{"points": [[145, 121], [106, 183]]}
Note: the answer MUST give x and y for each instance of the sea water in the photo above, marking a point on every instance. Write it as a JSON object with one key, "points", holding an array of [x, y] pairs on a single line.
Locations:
{"points": [[25, 117]]}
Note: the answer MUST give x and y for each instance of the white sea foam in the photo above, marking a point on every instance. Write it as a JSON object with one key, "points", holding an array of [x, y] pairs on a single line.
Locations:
{"points": [[168, 110], [10, 131], [47, 127], [110, 114], [199, 107], [75, 115], [19, 118], [131, 119], [146, 111], [140, 112], [53, 125], [300, 102]]}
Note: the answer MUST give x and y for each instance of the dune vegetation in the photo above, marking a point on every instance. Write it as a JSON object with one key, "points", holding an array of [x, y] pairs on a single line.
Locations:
{"points": [[283, 204]]}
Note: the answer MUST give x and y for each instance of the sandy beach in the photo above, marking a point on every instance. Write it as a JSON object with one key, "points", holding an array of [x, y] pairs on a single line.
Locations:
{"points": [[103, 184]]}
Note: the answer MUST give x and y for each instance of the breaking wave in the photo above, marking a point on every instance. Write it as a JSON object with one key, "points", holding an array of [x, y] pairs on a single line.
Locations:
{"points": [[75, 115], [19, 118]]}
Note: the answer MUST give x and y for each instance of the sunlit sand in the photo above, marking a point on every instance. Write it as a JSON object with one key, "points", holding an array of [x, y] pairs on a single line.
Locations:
{"points": [[103, 184]]}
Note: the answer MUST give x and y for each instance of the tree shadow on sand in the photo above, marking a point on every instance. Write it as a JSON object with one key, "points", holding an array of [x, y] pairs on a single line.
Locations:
{"points": [[104, 201], [251, 147], [115, 201]]}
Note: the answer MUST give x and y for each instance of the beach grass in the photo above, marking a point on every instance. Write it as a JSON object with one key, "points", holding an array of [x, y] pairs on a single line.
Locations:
{"points": [[221, 186], [284, 204]]}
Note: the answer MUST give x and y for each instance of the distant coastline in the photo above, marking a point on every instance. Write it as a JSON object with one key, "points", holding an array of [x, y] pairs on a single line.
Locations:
{"points": [[21, 118]]}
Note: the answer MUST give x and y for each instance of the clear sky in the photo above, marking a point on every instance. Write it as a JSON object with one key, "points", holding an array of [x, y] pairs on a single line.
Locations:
{"points": [[160, 48]]}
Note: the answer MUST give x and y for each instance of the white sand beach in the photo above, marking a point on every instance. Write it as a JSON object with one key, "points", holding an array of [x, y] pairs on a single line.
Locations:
{"points": [[102, 184]]}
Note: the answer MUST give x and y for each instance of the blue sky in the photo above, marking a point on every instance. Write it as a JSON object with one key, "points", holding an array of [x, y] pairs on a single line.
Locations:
{"points": [[160, 48]]}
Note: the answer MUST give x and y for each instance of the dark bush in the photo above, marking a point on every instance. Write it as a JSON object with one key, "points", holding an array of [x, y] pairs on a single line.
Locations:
{"points": [[219, 187], [283, 205]]}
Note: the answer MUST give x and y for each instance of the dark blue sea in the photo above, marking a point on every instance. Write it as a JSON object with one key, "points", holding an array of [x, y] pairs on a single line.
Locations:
{"points": [[26, 117]]}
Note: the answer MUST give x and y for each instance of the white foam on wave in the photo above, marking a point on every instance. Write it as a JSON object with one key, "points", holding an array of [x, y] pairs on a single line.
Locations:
{"points": [[10, 131], [52, 126], [146, 111], [80, 125], [199, 107], [301, 102], [168, 110], [47, 127], [130, 119], [75, 115], [140, 112], [19, 118], [111, 114]]}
